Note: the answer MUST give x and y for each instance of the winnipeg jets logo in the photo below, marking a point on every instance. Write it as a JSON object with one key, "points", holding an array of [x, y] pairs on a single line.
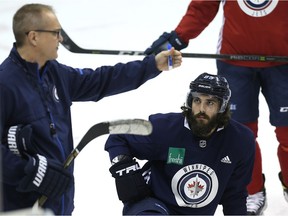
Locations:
{"points": [[257, 8], [195, 186]]}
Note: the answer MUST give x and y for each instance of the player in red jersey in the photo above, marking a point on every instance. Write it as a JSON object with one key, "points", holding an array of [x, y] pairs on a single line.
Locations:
{"points": [[248, 28]]}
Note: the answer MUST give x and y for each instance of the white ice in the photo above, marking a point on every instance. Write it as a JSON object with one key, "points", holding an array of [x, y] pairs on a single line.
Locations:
{"points": [[133, 25]]}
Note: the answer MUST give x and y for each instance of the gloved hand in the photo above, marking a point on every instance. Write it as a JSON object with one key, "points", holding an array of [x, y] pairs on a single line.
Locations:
{"points": [[162, 42], [19, 139], [47, 177], [130, 183]]}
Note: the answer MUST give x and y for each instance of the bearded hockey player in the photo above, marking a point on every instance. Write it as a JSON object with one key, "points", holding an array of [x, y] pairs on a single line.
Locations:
{"points": [[196, 159]]}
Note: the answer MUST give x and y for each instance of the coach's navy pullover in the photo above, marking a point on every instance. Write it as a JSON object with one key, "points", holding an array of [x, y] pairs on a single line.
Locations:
{"points": [[191, 175], [43, 99]]}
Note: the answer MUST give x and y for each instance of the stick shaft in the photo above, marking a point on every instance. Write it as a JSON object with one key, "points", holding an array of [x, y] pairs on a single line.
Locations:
{"points": [[126, 126], [70, 45]]}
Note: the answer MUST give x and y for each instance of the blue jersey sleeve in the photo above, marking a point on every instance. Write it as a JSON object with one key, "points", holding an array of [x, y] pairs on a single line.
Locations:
{"points": [[92, 85]]}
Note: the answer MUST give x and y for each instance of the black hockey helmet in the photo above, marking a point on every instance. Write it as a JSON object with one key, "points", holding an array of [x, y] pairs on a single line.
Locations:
{"points": [[210, 84]]}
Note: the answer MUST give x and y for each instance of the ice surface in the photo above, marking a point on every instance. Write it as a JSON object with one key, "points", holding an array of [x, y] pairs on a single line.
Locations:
{"points": [[133, 25]]}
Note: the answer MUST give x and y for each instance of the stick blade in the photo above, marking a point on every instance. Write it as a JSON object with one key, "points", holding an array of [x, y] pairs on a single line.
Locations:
{"points": [[131, 126]]}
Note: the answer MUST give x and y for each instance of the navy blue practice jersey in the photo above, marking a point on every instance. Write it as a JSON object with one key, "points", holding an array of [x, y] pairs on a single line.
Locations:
{"points": [[192, 175]]}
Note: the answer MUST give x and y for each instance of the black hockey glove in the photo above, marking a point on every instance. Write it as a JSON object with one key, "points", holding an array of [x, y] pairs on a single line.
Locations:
{"points": [[44, 176], [130, 183], [19, 139], [161, 43]]}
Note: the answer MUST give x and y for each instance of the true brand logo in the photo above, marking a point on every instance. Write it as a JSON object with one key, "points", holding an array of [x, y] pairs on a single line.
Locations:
{"points": [[126, 170]]}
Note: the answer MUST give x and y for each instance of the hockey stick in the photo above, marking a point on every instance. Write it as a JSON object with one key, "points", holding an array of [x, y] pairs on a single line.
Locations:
{"points": [[70, 45], [128, 126]]}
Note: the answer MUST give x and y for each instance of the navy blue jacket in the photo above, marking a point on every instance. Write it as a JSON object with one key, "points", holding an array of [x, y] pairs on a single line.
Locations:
{"points": [[43, 99], [191, 175]]}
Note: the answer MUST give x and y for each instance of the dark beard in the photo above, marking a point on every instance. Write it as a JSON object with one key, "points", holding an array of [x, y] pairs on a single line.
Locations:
{"points": [[200, 129]]}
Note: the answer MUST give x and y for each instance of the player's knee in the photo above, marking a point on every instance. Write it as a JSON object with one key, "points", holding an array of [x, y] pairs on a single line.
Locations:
{"points": [[147, 206]]}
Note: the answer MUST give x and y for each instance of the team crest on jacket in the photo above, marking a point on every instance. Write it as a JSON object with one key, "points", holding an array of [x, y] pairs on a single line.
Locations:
{"points": [[257, 8], [195, 186]]}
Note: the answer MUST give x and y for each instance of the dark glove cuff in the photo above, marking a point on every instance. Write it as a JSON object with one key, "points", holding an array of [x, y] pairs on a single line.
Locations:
{"points": [[161, 43], [119, 158], [176, 42]]}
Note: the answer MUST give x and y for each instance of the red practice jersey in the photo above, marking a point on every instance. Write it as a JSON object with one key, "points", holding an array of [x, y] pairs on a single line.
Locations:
{"points": [[248, 27]]}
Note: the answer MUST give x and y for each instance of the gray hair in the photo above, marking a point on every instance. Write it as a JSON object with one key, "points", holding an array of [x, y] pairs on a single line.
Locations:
{"points": [[29, 17]]}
